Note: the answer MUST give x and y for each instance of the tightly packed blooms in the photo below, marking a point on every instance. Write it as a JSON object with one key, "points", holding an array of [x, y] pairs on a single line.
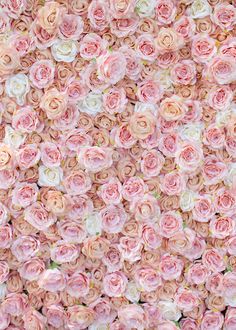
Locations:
{"points": [[118, 164]]}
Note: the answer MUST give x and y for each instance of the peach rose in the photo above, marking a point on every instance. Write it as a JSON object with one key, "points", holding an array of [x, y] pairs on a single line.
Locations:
{"points": [[95, 247], [53, 103], [79, 317], [172, 108], [49, 16], [142, 124], [168, 40]]}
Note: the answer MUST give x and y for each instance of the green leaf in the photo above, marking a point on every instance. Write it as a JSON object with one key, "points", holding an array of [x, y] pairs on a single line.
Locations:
{"points": [[176, 323], [53, 265]]}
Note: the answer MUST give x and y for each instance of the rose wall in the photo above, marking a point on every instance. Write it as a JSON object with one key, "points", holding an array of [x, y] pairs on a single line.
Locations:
{"points": [[117, 164]]}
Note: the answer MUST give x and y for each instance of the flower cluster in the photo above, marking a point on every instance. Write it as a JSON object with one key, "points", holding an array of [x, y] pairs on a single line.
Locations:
{"points": [[118, 164]]}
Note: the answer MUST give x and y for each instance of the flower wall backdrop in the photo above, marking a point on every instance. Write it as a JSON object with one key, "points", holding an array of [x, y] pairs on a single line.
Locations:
{"points": [[117, 164]]}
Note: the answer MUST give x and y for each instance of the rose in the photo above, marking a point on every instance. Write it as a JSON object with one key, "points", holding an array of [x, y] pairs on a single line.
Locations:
{"points": [[64, 50], [110, 192], [79, 207], [4, 271], [32, 269], [91, 46], [186, 300], [114, 101], [149, 92], [112, 259], [98, 15], [171, 267], [23, 44], [63, 252], [222, 227], [113, 218], [225, 202], [167, 59], [41, 74], [213, 170], [221, 69], [167, 325], [111, 67], [14, 138], [200, 9], [38, 217], [214, 137], [145, 208], [197, 274], [183, 73], [49, 177], [25, 120], [53, 103], [214, 283], [34, 320], [5, 320], [165, 12], [95, 159], [56, 203], [133, 187], [146, 48], [130, 248], [24, 194], [147, 279], [173, 183], [224, 16], [77, 183], [213, 260], [142, 124], [172, 108], [28, 156], [78, 285], [95, 247], [9, 61], [25, 247], [79, 317], [6, 236], [187, 200], [132, 293], [188, 324], [230, 319], [15, 304], [151, 163], [220, 97], [71, 231], [132, 315], [168, 40], [49, 16], [123, 137], [145, 8], [203, 209], [189, 157], [203, 48], [169, 310], [185, 26], [4, 214], [55, 315], [133, 63], [170, 223], [52, 280], [14, 9], [212, 320], [17, 86], [114, 284], [68, 119], [91, 104], [229, 288], [71, 27]]}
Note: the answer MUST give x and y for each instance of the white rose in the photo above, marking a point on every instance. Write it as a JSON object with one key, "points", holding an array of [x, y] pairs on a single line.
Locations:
{"points": [[187, 199], [132, 293], [169, 310], [223, 117], [163, 77], [230, 179], [49, 177], [3, 291], [200, 9], [230, 301], [64, 50], [191, 132], [145, 8], [93, 224], [17, 87], [99, 326], [143, 107], [13, 138], [92, 104]]}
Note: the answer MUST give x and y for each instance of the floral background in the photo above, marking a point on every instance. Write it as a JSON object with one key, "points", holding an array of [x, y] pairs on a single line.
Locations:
{"points": [[117, 164]]}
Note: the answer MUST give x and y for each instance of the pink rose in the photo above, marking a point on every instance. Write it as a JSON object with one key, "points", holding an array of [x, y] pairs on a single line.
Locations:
{"points": [[28, 156], [203, 48], [231, 245], [4, 320], [92, 46], [224, 16], [133, 63], [114, 101], [77, 90], [68, 119], [71, 231], [167, 325], [213, 260], [150, 237], [25, 247], [132, 315], [50, 154], [188, 324], [212, 321], [214, 283], [170, 223], [79, 317], [95, 159], [194, 111], [32, 269], [165, 12], [146, 48], [34, 320], [170, 267], [147, 279], [220, 97], [113, 218], [98, 14], [52, 280], [63, 252], [114, 284], [111, 67], [168, 144], [149, 91], [78, 285], [38, 217], [4, 214], [167, 59], [151, 163], [214, 137], [123, 27], [186, 300], [230, 319], [130, 248], [71, 27], [24, 194], [76, 139], [173, 183], [203, 209], [23, 44], [112, 259], [6, 236], [123, 137], [104, 310], [25, 120], [229, 284], [213, 170], [15, 304], [55, 315], [185, 26], [183, 73], [145, 208], [110, 192], [79, 207], [197, 274], [77, 183], [7, 179], [222, 227], [133, 187], [222, 70], [4, 271], [172, 108], [189, 157], [14, 8], [41, 73], [225, 202]]}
